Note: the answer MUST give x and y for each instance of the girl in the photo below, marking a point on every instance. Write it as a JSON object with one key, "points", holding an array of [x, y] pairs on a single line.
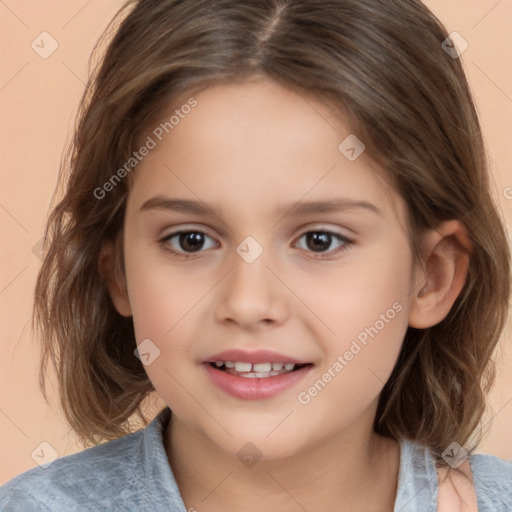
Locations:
{"points": [[278, 216]]}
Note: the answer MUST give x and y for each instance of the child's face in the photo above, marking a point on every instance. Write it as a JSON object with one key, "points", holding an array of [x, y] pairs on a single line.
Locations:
{"points": [[249, 155]]}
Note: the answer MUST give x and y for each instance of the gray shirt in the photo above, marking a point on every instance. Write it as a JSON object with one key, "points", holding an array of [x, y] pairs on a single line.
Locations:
{"points": [[133, 474]]}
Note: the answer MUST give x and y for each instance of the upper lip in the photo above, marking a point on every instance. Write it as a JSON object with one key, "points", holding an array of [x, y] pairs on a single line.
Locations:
{"points": [[255, 356]]}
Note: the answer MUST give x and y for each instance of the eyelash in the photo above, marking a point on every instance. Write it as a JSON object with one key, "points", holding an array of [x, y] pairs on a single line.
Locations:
{"points": [[346, 243]]}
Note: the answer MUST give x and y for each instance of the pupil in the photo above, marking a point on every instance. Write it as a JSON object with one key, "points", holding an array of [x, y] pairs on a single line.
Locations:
{"points": [[191, 241], [318, 241]]}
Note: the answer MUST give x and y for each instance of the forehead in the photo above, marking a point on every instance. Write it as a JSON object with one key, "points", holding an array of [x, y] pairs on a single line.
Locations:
{"points": [[247, 147]]}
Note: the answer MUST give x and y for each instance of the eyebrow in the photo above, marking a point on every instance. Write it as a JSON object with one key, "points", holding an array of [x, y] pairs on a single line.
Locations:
{"points": [[199, 208]]}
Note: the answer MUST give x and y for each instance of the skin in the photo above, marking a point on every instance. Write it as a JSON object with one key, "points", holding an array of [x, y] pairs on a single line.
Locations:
{"points": [[246, 150]]}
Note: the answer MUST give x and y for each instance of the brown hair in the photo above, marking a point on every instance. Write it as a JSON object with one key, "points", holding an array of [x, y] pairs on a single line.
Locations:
{"points": [[407, 99]]}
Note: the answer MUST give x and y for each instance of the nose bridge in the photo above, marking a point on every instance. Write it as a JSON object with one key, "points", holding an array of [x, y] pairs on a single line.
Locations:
{"points": [[251, 293], [250, 277]]}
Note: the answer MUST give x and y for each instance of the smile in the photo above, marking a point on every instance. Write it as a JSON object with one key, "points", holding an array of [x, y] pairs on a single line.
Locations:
{"points": [[255, 370]]}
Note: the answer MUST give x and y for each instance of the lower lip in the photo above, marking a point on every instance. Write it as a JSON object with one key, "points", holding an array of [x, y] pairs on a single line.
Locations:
{"points": [[257, 388]]}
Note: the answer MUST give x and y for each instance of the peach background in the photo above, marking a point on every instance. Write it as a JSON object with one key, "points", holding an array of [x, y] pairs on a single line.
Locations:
{"points": [[39, 99]]}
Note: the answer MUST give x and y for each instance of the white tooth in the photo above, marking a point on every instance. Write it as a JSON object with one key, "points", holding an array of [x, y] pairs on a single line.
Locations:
{"points": [[277, 366], [242, 367], [229, 364], [262, 367], [218, 364], [258, 375], [289, 366]]}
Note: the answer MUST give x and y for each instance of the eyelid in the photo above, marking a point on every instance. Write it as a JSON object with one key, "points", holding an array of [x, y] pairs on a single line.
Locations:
{"points": [[330, 227], [186, 228], [346, 241], [342, 232], [334, 234], [345, 244], [166, 238]]}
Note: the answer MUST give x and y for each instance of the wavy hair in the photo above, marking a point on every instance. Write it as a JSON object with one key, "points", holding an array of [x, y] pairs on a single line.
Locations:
{"points": [[383, 63]]}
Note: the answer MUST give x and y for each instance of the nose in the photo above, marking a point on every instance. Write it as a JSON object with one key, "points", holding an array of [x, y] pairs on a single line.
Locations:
{"points": [[252, 297]]}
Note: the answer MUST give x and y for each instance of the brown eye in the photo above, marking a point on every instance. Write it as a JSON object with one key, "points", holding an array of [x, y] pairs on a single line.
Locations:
{"points": [[191, 242], [323, 242], [187, 242], [318, 242]]}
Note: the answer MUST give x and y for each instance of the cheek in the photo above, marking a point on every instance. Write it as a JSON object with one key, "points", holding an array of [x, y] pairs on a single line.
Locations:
{"points": [[161, 296], [366, 304], [370, 327], [163, 304], [368, 293]]}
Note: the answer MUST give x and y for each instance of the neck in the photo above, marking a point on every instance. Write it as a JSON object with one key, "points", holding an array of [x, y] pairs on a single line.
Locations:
{"points": [[351, 472]]}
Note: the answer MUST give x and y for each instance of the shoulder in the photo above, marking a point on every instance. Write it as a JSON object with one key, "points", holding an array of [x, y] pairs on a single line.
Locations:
{"points": [[129, 474], [81, 479], [492, 478], [423, 486], [482, 483]]}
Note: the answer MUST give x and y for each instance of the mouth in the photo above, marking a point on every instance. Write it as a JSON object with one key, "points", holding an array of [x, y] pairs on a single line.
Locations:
{"points": [[256, 370], [255, 375]]}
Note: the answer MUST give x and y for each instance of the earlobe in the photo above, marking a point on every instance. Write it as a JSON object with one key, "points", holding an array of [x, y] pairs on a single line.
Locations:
{"points": [[442, 276], [116, 284]]}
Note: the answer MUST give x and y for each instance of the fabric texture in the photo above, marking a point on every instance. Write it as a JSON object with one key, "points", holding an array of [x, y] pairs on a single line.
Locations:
{"points": [[133, 474]]}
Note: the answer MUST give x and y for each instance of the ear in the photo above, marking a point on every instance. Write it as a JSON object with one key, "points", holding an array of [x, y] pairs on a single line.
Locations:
{"points": [[442, 274], [115, 279]]}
